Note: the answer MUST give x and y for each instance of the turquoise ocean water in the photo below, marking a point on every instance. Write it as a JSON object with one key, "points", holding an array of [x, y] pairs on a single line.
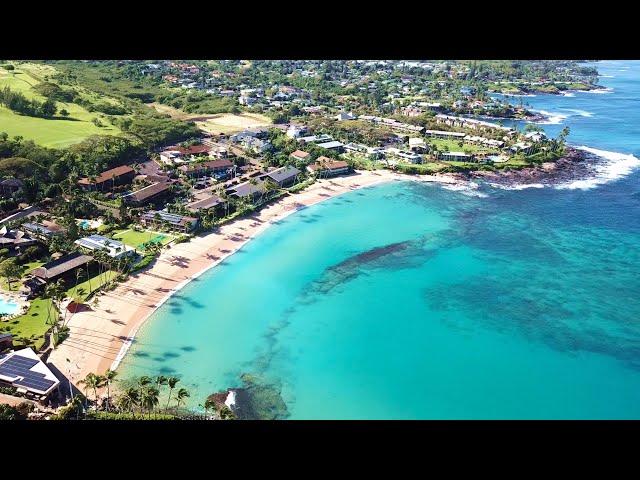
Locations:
{"points": [[411, 301]]}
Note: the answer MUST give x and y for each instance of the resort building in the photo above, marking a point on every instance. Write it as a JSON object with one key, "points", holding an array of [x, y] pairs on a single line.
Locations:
{"points": [[113, 248], [522, 147], [283, 177], [327, 167], [221, 167], [456, 157], [108, 179], [172, 221], [445, 134], [212, 202], [148, 194], [471, 123], [300, 156], [487, 142], [247, 190], [64, 268], [24, 370]]}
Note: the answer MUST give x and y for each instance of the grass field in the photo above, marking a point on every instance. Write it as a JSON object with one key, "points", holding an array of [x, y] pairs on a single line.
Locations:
{"points": [[137, 239], [84, 289], [56, 132], [26, 268], [454, 146], [32, 325], [217, 123]]}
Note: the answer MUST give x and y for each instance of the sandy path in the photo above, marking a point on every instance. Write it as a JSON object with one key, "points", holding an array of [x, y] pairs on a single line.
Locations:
{"points": [[100, 335]]}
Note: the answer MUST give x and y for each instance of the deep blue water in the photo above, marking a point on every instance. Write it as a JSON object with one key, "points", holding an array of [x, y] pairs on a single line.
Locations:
{"points": [[408, 300]]}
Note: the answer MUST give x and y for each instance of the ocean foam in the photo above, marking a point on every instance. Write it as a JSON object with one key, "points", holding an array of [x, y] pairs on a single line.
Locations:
{"points": [[600, 90], [521, 186], [554, 118], [468, 188], [569, 94], [615, 166]]}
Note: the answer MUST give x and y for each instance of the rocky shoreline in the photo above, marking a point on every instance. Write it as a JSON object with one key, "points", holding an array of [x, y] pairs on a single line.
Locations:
{"points": [[574, 165]]}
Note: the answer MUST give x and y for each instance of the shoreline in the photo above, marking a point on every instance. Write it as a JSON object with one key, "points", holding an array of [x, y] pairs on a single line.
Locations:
{"points": [[101, 336]]}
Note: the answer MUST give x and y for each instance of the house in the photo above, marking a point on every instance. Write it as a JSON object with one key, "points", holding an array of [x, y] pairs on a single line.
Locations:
{"points": [[180, 223], [10, 186], [522, 147], [327, 167], [14, 239], [45, 230], [335, 146], [283, 177], [300, 156], [148, 194], [244, 100], [316, 138], [456, 157], [24, 370], [418, 145], [204, 168], [295, 131], [410, 157], [109, 179], [535, 136], [170, 157], [254, 133], [113, 248], [212, 202], [342, 116]]}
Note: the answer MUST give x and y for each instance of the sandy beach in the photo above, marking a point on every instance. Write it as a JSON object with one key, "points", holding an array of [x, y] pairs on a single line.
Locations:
{"points": [[100, 335]]}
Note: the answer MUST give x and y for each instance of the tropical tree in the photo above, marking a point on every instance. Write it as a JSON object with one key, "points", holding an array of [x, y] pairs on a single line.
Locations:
{"points": [[109, 376], [209, 404], [150, 399], [171, 382], [143, 382], [181, 396], [94, 382], [129, 399]]}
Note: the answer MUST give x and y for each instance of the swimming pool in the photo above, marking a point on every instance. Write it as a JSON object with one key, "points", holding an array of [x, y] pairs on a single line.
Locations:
{"points": [[7, 307]]}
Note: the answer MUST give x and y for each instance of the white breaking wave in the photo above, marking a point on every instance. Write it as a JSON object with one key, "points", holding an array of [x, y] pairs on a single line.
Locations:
{"points": [[582, 113], [608, 76], [469, 188], [522, 186], [599, 90], [615, 166], [569, 94], [519, 95], [553, 118]]}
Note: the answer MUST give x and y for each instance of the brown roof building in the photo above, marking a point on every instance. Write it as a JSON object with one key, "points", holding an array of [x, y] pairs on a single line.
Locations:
{"points": [[109, 179], [147, 194], [327, 167], [60, 267]]}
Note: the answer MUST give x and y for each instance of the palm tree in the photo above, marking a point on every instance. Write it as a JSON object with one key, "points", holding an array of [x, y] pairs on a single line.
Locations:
{"points": [[150, 399], [209, 404], [172, 382], [161, 380], [142, 383], [109, 376], [94, 382], [129, 399], [181, 396]]}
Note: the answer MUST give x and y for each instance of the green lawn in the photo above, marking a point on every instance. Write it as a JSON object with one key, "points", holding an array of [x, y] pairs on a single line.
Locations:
{"points": [[84, 289], [137, 239], [56, 132], [32, 325], [26, 268], [454, 146]]}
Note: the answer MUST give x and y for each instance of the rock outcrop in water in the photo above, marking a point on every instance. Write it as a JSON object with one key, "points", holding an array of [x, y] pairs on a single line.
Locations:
{"points": [[258, 399]]}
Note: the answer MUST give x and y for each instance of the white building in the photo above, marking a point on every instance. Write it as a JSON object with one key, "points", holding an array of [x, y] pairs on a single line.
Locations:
{"points": [[112, 248]]}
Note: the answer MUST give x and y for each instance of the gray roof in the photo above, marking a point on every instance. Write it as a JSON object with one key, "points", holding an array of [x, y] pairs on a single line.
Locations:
{"points": [[205, 203], [283, 174], [62, 265], [246, 189]]}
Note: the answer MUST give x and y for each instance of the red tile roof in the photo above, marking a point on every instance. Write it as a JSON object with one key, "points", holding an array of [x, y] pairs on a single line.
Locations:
{"points": [[109, 175]]}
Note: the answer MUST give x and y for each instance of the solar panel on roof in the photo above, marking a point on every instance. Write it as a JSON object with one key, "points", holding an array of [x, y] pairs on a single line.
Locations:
{"points": [[36, 384], [22, 361]]}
